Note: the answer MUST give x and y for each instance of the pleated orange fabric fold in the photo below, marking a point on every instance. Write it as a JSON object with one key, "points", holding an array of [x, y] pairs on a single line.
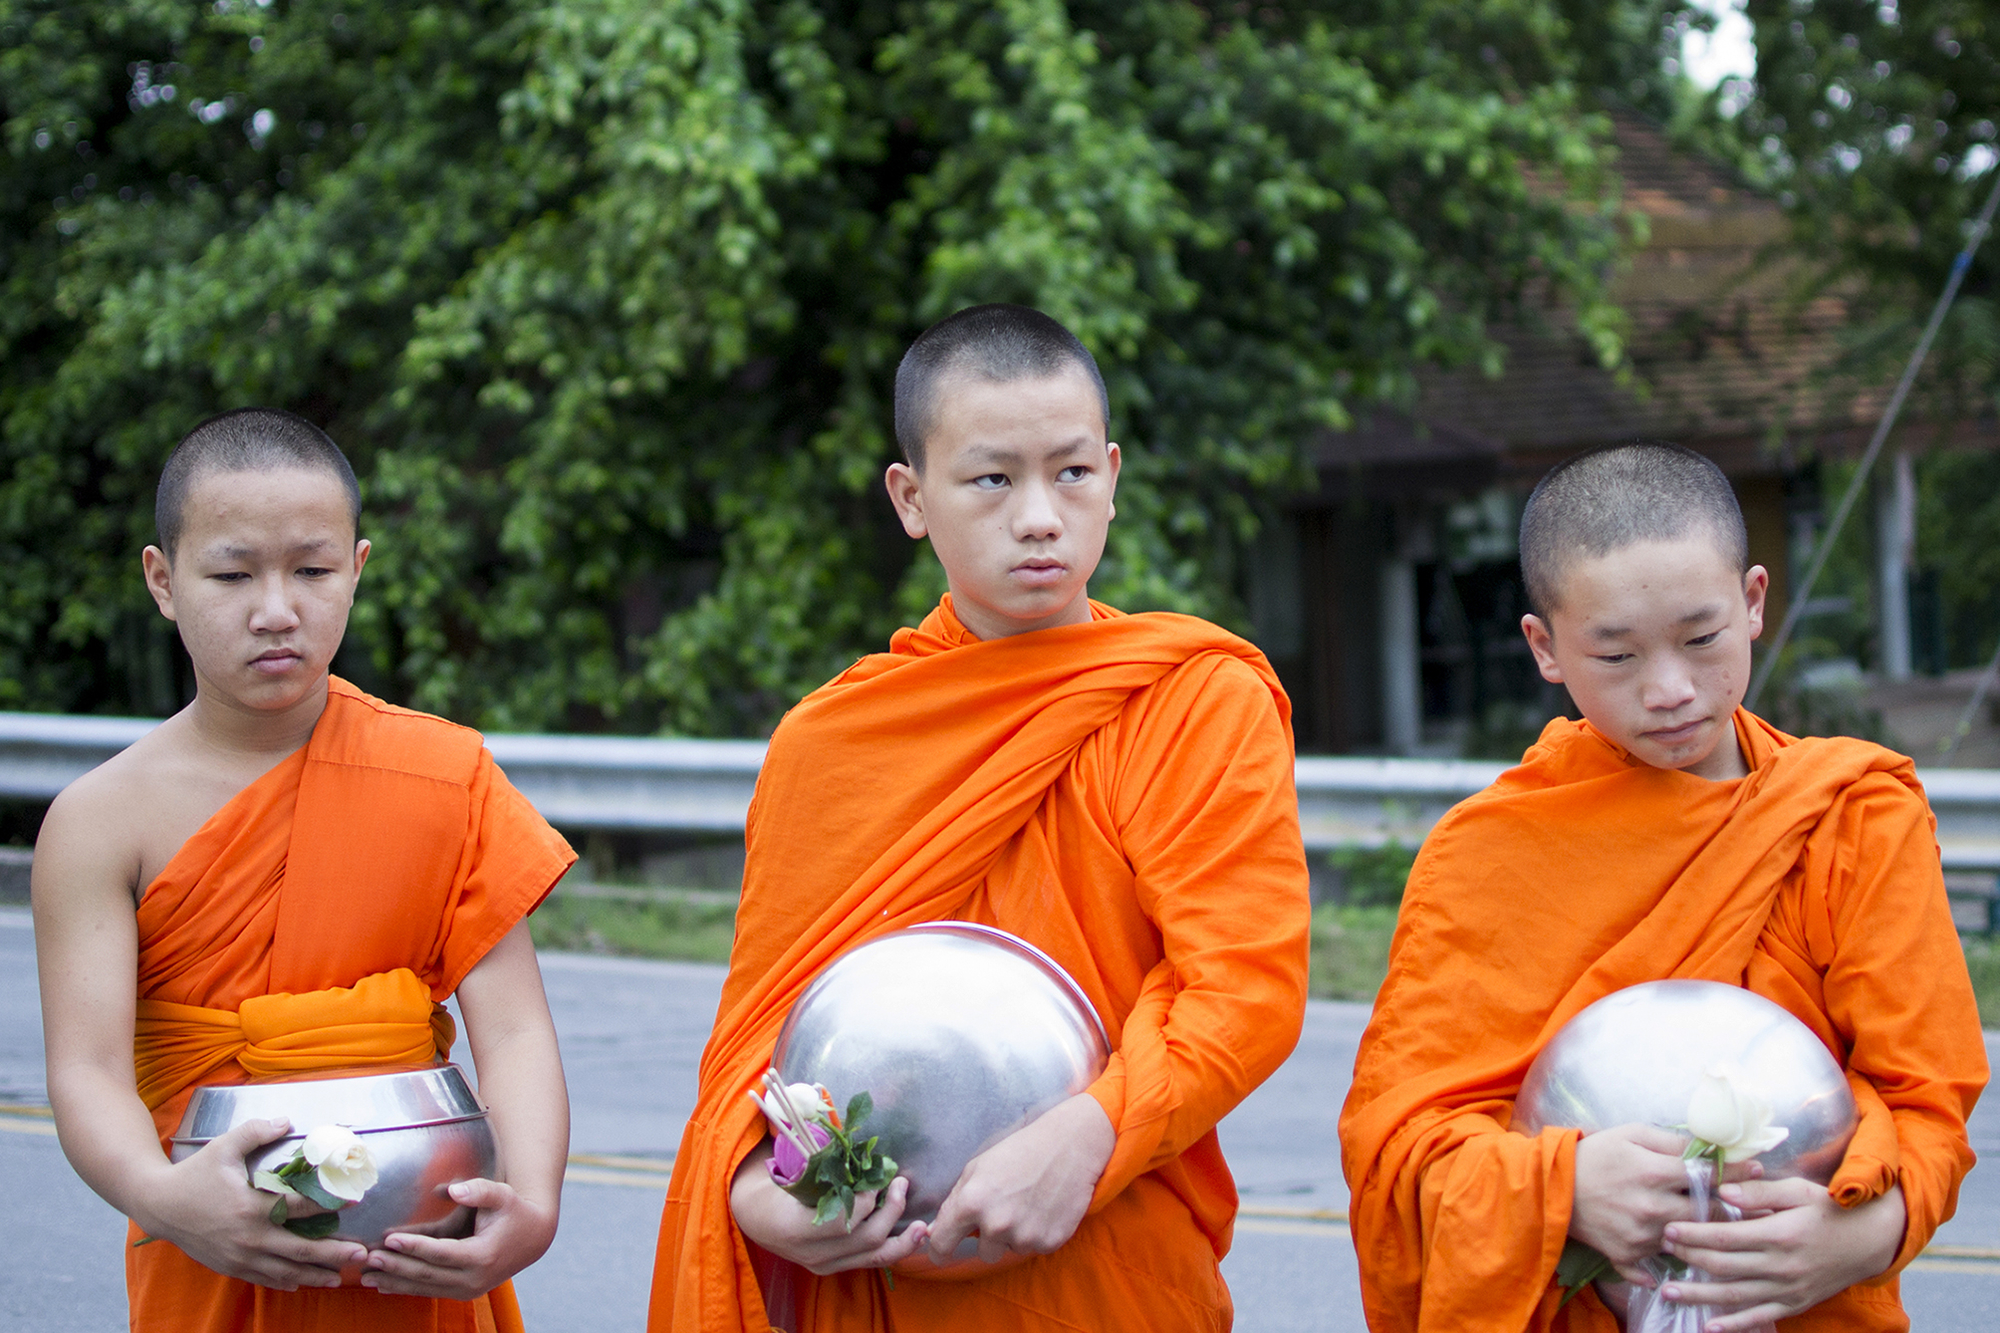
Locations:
{"points": [[1814, 881], [385, 1019], [1118, 793], [318, 920]]}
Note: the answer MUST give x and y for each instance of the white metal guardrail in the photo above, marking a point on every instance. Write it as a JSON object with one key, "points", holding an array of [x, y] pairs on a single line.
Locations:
{"points": [[635, 784]]}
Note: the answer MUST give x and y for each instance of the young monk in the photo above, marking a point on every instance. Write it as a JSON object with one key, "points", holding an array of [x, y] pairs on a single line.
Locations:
{"points": [[1669, 834], [288, 876], [1115, 789]]}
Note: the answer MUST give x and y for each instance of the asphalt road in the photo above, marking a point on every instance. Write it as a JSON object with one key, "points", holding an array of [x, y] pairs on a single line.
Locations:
{"points": [[632, 1034]]}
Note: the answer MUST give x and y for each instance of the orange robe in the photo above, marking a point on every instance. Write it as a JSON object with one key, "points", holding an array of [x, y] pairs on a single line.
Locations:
{"points": [[1118, 793], [314, 922], [1814, 882]]}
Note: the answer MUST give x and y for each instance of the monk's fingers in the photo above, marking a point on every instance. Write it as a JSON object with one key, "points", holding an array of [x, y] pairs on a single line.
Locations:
{"points": [[876, 1214], [453, 1270], [1750, 1302], [288, 1262], [865, 1206], [242, 1140], [430, 1251], [892, 1251], [1635, 1273], [281, 1276], [482, 1194], [955, 1221], [1765, 1235], [1665, 1142], [992, 1251], [1737, 1172], [1772, 1196]]}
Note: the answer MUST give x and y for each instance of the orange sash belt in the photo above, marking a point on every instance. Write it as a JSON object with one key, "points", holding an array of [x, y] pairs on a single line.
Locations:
{"points": [[384, 1019]]}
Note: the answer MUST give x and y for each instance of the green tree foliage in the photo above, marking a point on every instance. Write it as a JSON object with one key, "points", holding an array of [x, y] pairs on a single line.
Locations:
{"points": [[605, 297], [1876, 120]]}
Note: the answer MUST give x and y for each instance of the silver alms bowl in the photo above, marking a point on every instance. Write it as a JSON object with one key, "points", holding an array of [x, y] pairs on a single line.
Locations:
{"points": [[1636, 1055], [962, 1034], [424, 1128]]}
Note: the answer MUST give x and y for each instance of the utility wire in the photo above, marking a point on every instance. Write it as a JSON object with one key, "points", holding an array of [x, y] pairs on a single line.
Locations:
{"points": [[1950, 744], [1798, 596]]}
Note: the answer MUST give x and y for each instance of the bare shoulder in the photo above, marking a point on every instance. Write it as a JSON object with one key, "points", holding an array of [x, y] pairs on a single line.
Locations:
{"points": [[93, 828], [120, 822]]}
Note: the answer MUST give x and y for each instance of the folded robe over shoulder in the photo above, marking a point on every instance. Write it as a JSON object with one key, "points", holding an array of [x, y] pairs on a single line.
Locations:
{"points": [[317, 921], [1118, 793], [1814, 882]]}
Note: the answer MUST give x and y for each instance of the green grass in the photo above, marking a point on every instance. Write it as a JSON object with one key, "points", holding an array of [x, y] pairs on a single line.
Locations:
{"points": [[1350, 951], [1350, 945], [1982, 960], [664, 923]]}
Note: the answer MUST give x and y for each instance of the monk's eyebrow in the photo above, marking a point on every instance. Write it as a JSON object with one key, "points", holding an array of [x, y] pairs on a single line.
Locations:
{"points": [[1705, 613], [984, 454], [235, 552]]}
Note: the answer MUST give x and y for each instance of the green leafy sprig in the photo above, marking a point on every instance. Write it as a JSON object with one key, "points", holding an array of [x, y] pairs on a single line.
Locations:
{"points": [[848, 1165]]}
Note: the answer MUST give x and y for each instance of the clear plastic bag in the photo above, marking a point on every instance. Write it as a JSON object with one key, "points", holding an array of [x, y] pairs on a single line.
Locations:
{"points": [[1648, 1311]]}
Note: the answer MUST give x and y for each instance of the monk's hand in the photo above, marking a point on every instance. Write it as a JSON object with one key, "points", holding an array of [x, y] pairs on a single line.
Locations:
{"points": [[1796, 1249], [1027, 1193], [206, 1207], [509, 1232], [781, 1224], [1630, 1183]]}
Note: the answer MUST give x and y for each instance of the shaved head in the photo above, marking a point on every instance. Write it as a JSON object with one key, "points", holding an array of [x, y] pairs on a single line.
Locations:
{"points": [[1607, 499], [250, 439], [998, 343]]}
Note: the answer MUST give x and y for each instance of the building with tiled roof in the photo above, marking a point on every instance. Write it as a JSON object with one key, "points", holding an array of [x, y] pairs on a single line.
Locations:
{"points": [[1390, 599]]}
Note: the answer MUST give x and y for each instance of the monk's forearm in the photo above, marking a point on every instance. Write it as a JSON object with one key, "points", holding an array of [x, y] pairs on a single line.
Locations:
{"points": [[520, 1080], [109, 1139], [520, 1068]]}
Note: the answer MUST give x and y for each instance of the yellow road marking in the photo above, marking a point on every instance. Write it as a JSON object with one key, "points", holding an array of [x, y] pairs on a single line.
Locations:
{"points": [[1986, 1266], [1324, 1216], [646, 1173], [20, 1124], [654, 1165]]}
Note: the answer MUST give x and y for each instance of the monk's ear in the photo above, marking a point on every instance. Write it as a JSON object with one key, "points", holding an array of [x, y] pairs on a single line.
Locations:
{"points": [[1756, 587], [1542, 643], [906, 493], [1114, 459], [361, 552], [159, 579]]}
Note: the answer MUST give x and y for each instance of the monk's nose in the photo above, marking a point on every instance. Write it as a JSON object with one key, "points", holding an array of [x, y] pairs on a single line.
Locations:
{"points": [[1037, 516], [274, 611], [1668, 688]]}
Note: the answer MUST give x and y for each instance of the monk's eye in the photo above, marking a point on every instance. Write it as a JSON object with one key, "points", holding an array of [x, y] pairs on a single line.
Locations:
{"points": [[232, 576], [1074, 472], [1705, 639], [992, 481], [1614, 659], [314, 572]]}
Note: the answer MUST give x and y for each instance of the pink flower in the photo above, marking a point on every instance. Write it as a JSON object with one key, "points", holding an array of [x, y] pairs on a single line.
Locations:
{"points": [[788, 1159]]}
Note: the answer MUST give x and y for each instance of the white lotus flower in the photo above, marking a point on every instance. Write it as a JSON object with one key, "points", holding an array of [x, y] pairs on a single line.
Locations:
{"points": [[345, 1167], [791, 1107], [1724, 1115]]}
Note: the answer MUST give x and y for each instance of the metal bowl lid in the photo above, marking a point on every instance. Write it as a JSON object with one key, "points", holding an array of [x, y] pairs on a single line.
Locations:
{"points": [[365, 1100]]}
